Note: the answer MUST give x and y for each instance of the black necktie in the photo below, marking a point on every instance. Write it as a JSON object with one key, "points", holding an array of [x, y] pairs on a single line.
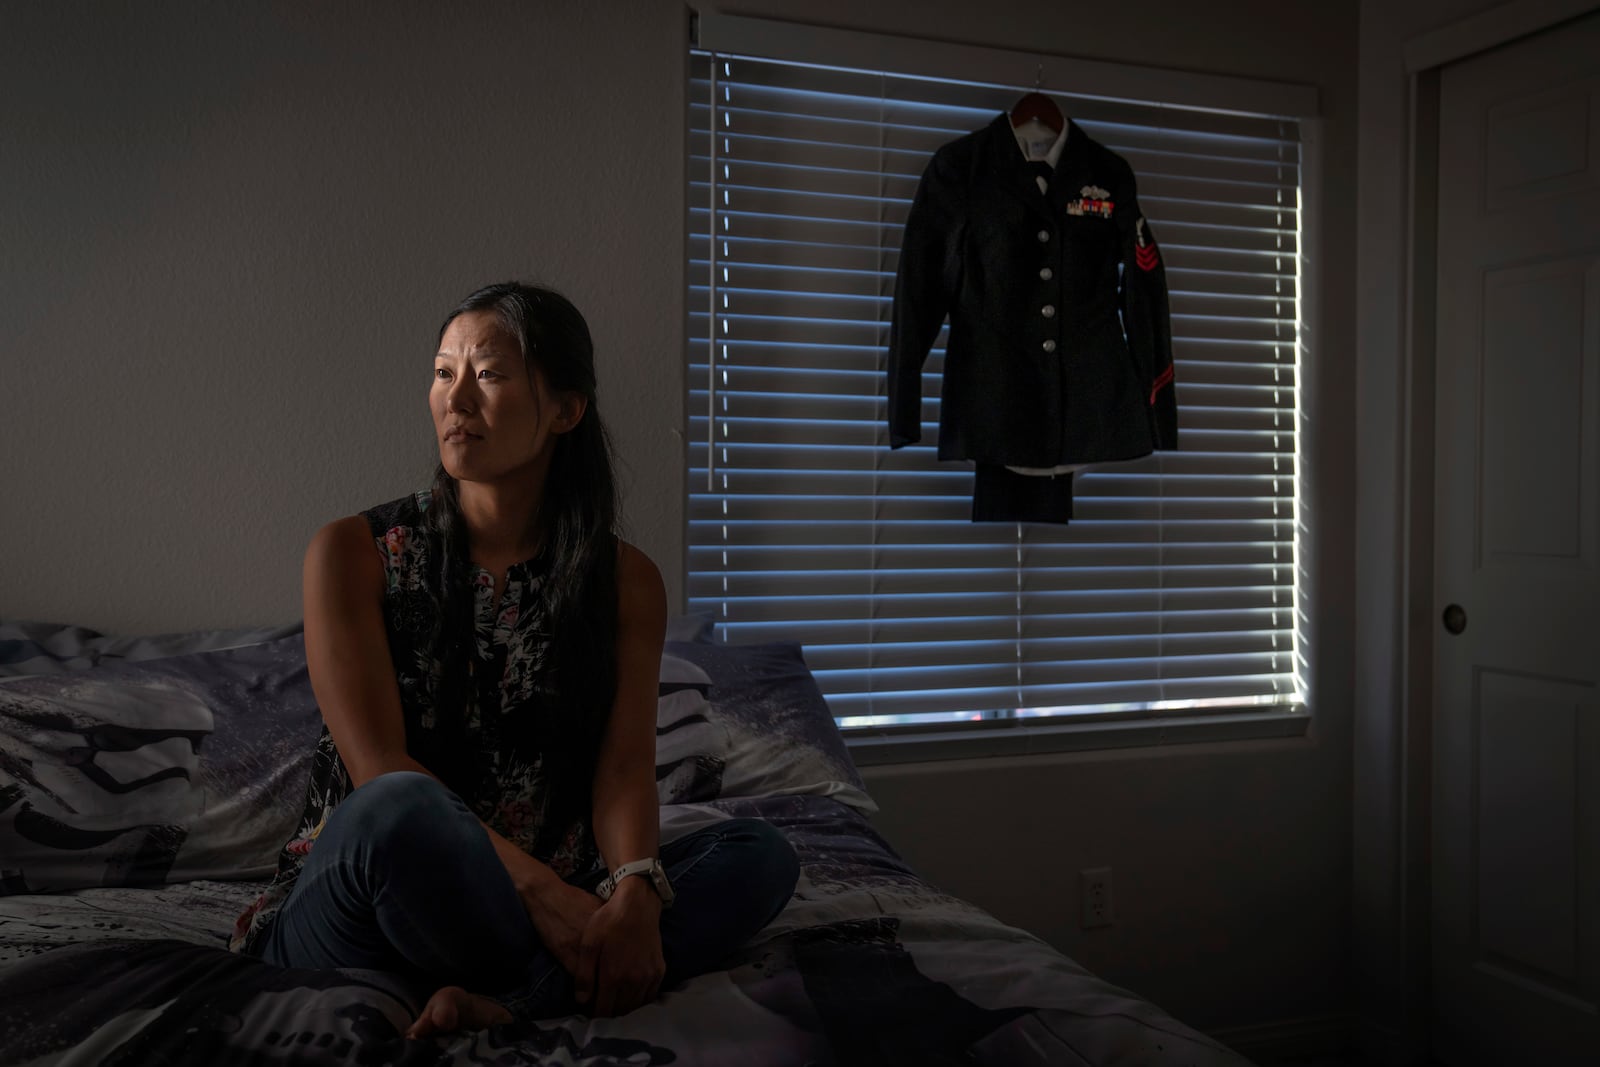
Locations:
{"points": [[1041, 169]]}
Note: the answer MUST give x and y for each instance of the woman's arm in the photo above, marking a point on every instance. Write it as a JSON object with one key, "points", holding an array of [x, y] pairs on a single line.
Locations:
{"points": [[620, 964], [347, 651], [352, 676], [627, 812]]}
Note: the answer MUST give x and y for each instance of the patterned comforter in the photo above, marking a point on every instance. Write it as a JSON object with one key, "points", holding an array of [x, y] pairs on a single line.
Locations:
{"points": [[124, 962], [868, 965]]}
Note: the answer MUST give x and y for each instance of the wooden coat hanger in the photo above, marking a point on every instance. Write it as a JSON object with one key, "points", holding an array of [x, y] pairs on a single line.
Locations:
{"points": [[1037, 106]]}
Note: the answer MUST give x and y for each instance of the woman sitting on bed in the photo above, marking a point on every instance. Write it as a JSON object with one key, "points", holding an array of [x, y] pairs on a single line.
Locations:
{"points": [[485, 656]]}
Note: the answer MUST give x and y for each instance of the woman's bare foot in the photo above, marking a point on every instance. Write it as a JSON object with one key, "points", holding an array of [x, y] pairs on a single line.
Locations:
{"points": [[453, 1008]]}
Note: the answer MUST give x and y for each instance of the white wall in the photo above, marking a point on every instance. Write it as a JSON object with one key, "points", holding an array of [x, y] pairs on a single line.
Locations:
{"points": [[228, 234]]}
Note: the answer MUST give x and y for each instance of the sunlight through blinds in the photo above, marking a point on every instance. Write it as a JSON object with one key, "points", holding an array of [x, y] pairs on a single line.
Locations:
{"points": [[1173, 588]]}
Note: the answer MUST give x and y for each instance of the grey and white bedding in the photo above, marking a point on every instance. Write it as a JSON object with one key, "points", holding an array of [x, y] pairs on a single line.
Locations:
{"points": [[125, 964]]}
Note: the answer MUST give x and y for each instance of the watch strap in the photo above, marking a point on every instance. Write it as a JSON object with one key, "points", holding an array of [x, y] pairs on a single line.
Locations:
{"points": [[649, 866]]}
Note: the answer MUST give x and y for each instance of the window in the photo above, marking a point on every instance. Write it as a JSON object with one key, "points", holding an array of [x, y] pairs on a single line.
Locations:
{"points": [[1173, 590]]}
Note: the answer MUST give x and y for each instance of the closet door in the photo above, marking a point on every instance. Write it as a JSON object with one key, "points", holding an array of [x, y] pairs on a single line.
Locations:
{"points": [[1516, 773]]}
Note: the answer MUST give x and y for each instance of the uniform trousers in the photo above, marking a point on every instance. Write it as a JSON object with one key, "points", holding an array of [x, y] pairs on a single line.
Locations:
{"points": [[1000, 494]]}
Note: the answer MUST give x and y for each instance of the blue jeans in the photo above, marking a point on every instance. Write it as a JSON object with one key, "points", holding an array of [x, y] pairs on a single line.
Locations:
{"points": [[404, 879]]}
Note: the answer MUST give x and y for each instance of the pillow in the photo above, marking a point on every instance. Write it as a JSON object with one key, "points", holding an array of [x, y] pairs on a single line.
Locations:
{"points": [[696, 627], [51, 648], [760, 727], [691, 746], [184, 767]]}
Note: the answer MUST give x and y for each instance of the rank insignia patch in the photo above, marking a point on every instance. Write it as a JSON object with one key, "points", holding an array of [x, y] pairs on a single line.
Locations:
{"points": [[1144, 251]]}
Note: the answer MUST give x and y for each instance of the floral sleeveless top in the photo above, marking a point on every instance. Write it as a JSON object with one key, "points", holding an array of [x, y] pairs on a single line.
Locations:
{"points": [[516, 792]]}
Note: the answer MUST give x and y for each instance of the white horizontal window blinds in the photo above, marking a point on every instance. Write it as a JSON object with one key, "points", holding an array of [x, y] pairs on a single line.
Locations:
{"points": [[1174, 586]]}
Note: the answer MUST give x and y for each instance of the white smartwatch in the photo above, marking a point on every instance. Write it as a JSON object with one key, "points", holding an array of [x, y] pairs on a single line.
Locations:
{"points": [[651, 867]]}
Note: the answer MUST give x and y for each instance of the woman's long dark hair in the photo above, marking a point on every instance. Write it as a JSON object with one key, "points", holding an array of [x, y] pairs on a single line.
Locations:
{"points": [[576, 527]]}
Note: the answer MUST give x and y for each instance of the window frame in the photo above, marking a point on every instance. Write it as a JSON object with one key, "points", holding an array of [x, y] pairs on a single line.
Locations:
{"points": [[850, 50]]}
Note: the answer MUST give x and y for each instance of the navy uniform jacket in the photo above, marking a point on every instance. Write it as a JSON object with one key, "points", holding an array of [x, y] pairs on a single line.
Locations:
{"points": [[1054, 355]]}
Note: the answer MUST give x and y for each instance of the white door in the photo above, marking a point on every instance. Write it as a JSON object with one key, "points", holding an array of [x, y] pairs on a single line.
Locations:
{"points": [[1516, 771]]}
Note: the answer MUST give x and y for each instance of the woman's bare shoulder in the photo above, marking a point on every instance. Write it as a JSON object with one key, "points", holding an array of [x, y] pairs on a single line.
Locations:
{"points": [[344, 537], [344, 549], [633, 563]]}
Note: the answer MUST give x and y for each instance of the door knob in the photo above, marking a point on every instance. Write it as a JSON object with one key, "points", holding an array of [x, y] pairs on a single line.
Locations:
{"points": [[1455, 618]]}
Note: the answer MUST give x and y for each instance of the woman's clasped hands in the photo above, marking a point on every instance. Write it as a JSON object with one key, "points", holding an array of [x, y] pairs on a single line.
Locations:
{"points": [[611, 948]]}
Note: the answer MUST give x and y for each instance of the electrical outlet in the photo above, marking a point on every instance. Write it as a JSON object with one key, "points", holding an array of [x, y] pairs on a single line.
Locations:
{"points": [[1096, 897]]}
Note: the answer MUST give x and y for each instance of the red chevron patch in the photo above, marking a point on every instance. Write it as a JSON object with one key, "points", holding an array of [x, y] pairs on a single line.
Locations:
{"points": [[1147, 257], [1162, 379]]}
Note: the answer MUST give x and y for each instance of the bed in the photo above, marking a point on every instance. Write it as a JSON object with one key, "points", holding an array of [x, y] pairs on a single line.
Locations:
{"points": [[147, 783]]}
